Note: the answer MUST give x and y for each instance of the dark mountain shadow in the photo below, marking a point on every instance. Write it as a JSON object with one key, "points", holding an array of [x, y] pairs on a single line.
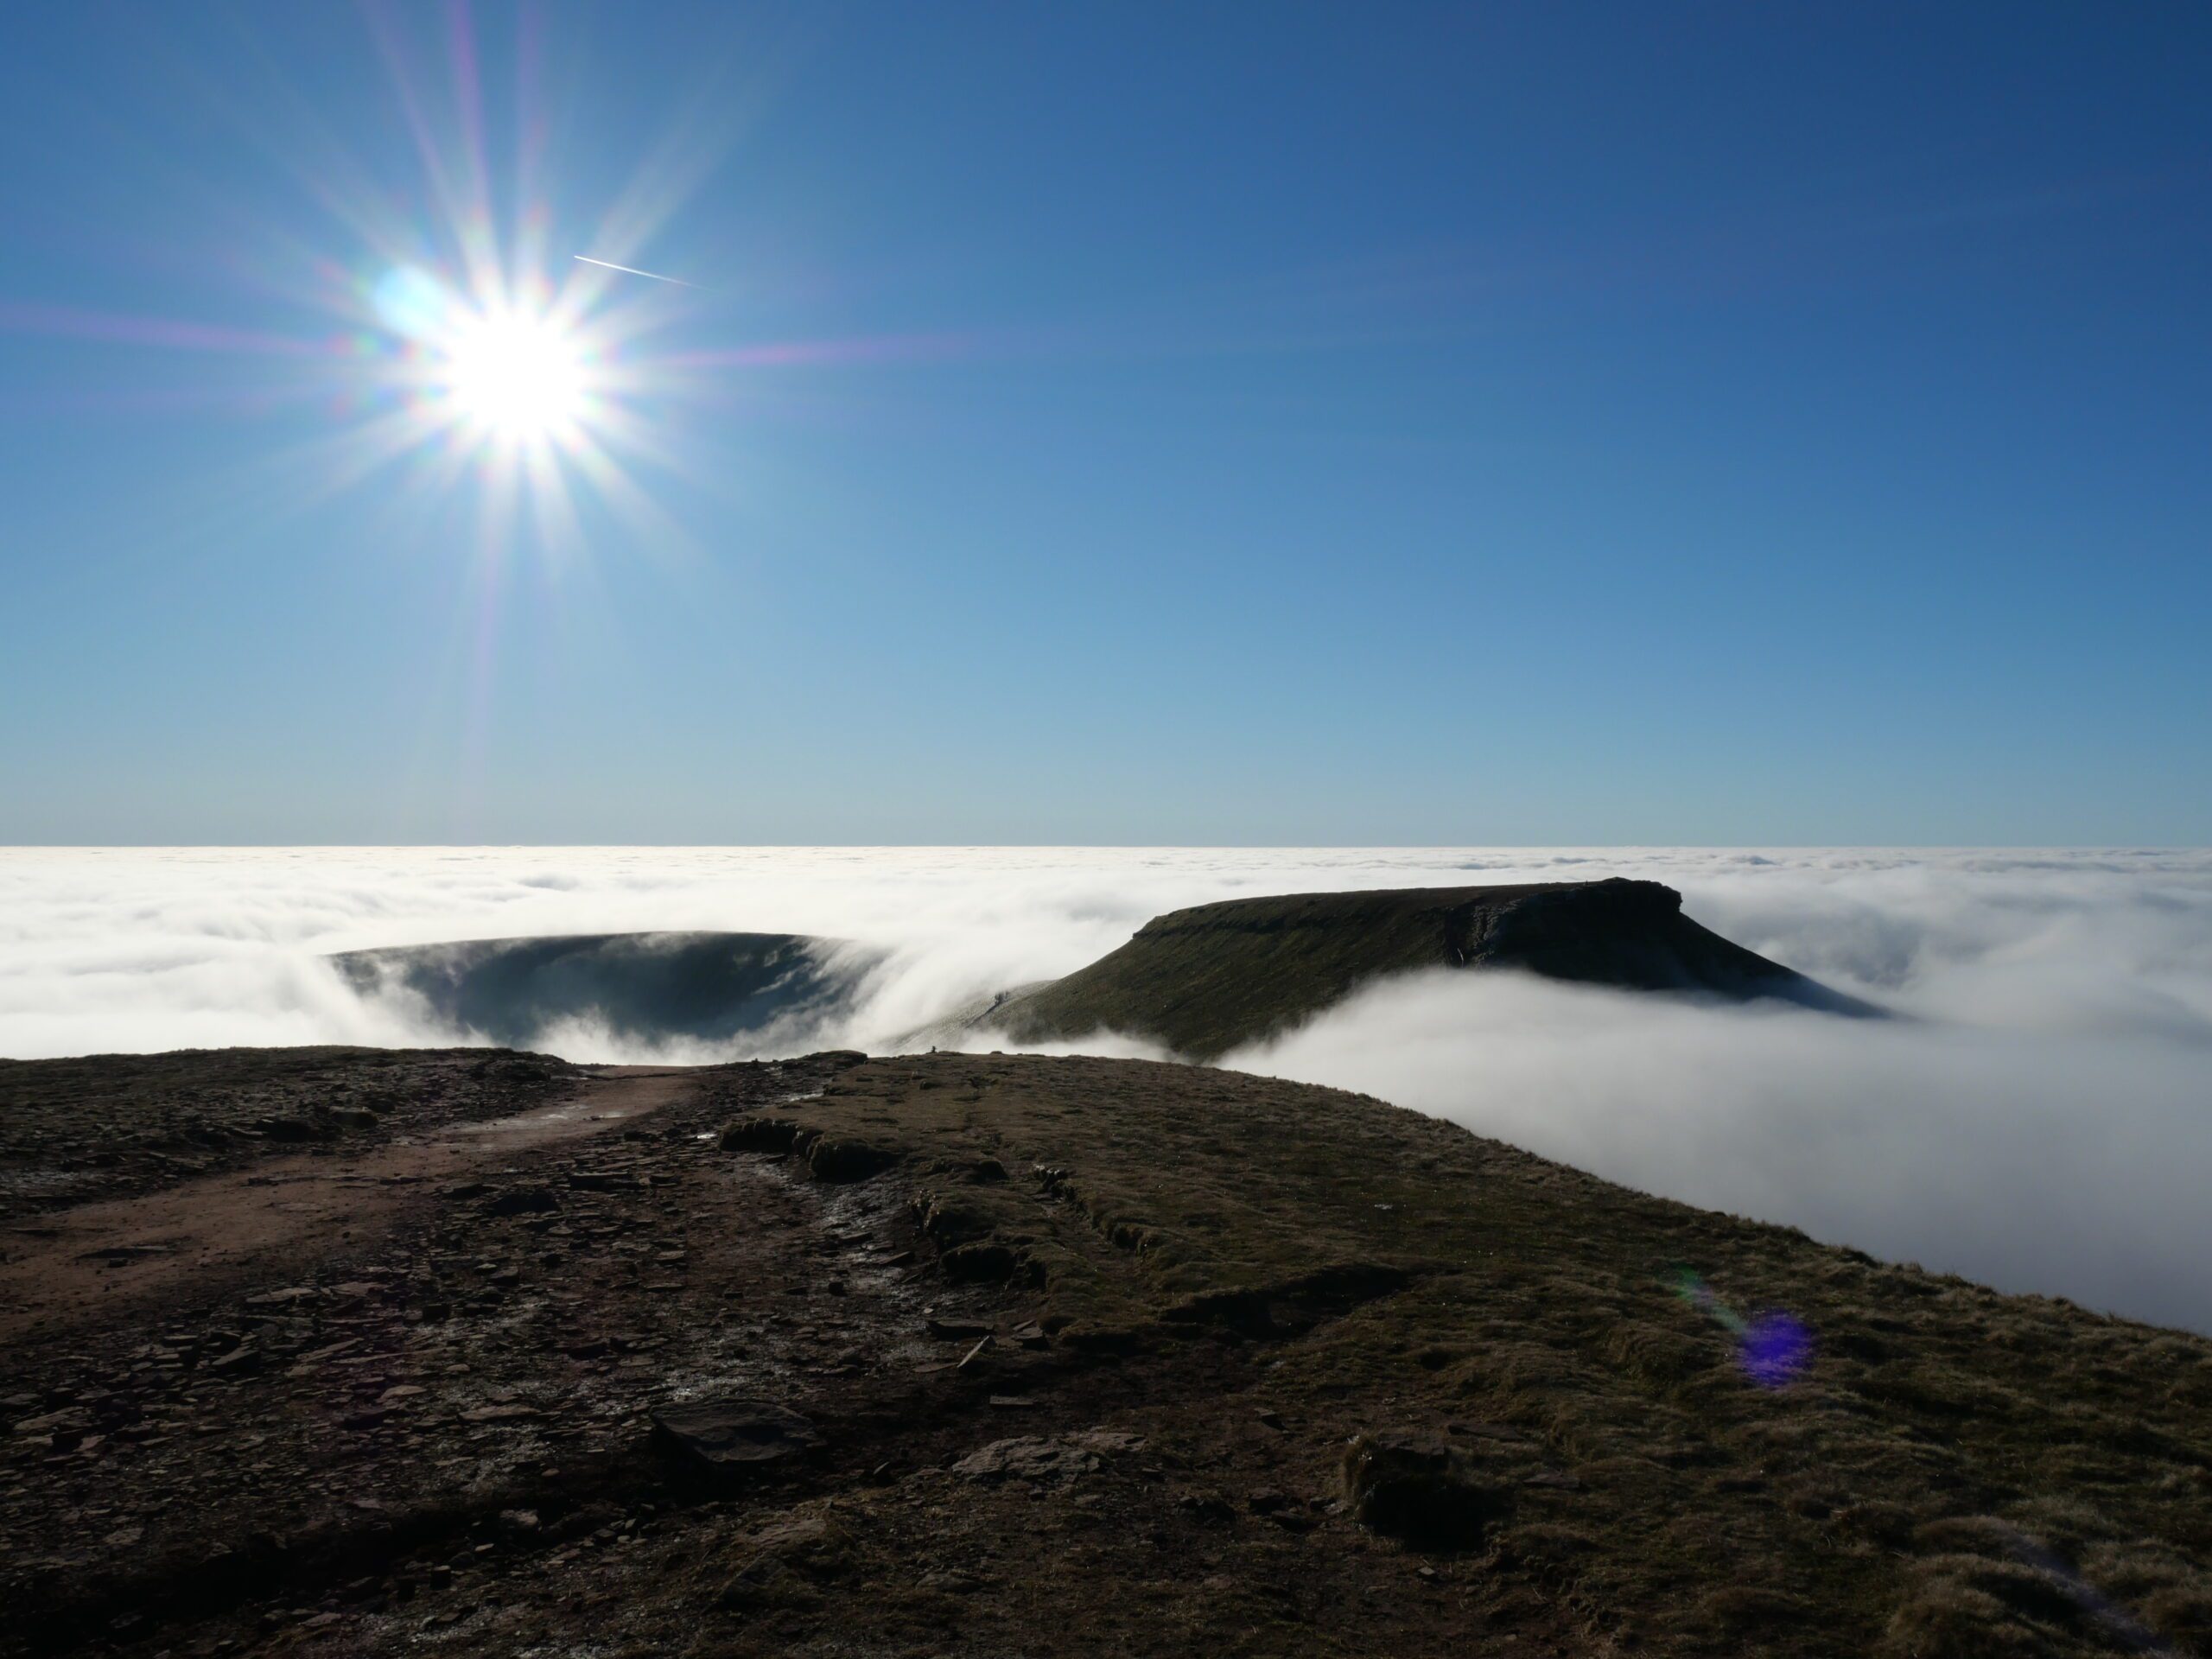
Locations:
{"points": [[713, 987]]}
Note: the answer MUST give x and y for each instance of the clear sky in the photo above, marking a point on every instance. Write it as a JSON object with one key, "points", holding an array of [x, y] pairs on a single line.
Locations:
{"points": [[1368, 424]]}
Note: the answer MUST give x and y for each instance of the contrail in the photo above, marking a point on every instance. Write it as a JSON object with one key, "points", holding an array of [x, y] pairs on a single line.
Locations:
{"points": [[608, 264]]}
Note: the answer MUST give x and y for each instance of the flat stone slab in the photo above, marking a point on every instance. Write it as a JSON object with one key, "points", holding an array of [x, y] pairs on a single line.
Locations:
{"points": [[1033, 1458], [729, 1436]]}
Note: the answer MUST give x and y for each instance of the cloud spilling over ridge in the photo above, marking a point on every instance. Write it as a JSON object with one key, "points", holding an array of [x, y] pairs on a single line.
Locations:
{"points": [[2042, 1125], [2071, 1163]]}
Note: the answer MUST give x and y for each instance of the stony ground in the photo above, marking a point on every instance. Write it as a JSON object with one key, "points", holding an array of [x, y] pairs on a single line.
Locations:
{"points": [[1012, 1355], [74, 1131]]}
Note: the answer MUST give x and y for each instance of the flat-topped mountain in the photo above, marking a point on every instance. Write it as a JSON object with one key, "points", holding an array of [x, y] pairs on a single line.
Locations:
{"points": [[1199, 982], [1204, 981]]}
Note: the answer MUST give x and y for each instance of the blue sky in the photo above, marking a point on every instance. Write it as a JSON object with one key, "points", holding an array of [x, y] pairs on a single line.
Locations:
{"points": [[1523, 425]]}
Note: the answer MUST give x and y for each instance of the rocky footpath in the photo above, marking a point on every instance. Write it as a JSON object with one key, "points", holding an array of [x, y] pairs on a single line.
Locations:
{"points": [[76, 1131], [1012, 1355]]}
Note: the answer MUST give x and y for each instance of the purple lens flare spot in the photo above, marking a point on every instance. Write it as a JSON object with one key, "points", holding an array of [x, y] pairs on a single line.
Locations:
{"points": [[1776, 1349]]}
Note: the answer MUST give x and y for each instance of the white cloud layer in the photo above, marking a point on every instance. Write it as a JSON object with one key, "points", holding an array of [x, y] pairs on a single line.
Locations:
{"points": [[2044, 1123]]}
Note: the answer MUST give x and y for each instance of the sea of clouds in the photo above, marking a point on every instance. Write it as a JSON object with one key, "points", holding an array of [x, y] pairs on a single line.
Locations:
{"points": [[2044, 1121]]}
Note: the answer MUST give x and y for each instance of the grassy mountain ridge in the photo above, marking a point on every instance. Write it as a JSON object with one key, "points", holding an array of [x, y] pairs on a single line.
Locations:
{"points": [[1204, 981], [1036, 1356], [1687, 1432]]}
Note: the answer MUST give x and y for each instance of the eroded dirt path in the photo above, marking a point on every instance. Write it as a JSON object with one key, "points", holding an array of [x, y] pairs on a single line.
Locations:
{"points": [[455, 1431], [1051, 1358], [462, 1357], [88, 1264]]}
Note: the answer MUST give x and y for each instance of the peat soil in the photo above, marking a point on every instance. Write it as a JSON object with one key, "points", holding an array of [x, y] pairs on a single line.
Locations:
{"points": [[1013, 1355]]}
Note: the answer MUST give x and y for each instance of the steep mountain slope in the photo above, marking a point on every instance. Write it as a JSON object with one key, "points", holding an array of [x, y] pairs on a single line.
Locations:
{"points": [[641, 986], [1204, 981]]}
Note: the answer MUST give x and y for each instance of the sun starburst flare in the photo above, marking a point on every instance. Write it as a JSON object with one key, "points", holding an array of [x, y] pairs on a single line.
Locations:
{"points": [[500, 372], [515, 377]]}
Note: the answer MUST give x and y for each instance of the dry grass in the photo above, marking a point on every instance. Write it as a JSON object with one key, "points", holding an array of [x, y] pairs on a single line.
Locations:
{"points": [[1955, 1473]]}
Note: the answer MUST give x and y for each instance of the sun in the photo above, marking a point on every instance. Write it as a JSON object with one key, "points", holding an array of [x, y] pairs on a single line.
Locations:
{"points": [[501, 367], [515, 377]]}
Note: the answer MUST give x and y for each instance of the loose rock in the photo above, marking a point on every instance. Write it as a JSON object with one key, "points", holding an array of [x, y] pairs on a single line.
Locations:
{"points": [[724, 1438]]}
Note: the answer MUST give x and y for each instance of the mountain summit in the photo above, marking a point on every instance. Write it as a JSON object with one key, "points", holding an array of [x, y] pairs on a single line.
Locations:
{"points": [[1204, 981]]}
